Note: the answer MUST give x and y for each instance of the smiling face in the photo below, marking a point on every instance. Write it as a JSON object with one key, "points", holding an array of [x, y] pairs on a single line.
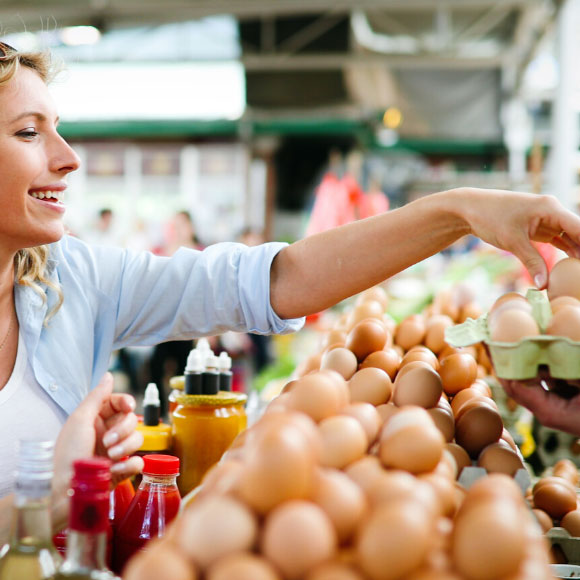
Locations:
{"points": [[34, 162]]}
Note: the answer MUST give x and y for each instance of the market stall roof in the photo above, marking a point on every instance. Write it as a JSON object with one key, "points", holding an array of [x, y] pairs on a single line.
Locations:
{"points": [[445, 63]]}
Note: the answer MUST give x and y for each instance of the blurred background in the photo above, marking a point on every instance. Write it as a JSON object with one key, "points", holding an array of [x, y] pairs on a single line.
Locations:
{"points": [[236, 110]]}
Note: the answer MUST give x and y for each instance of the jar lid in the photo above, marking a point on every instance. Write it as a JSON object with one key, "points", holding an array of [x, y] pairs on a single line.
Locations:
{"points": [[161, 464], [220, 399], [177, 382], [155, 437]]}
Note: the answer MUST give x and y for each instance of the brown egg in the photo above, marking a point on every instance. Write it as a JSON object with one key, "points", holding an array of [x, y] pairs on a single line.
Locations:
{"points": [[564, 279], [425, 355], [418, 386], [555, 498], [221, 525], [387, 360], [411, 441], [476, 402], [543, 519], [342, 500], [444, 422], [343, 441], [482, 387], [161, 560], [334, 336], [279, 467], [511, 325], [376, 293], [394, 486], [488, 541], [463, 396], [478, 427], [469, 310], [560, 301], [571, 523], [364, 471], [435, 332], [317, 395], [460, 455], [242, 566], [365, 337], [370, 385], [394, 540], [366, 309], [500, 458], [410, 332], [457, 371], [510, 297], [298, 536], [367, 415], [565, 322], [567, 469], [341, 360]]}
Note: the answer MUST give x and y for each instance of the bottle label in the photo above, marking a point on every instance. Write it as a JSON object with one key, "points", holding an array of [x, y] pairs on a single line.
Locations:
{"points": [[89, 515]]}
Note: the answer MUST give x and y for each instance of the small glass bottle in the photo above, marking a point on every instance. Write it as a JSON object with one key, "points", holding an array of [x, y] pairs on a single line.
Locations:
{"points": [[155, 505], [30, 553], [87, 539], [225, 370]]}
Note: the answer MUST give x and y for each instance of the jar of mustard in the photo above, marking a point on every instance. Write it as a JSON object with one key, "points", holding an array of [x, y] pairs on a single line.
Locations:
{"points": [[203, 427]]}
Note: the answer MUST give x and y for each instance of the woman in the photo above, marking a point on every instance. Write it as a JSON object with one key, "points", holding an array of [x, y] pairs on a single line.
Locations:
{"points": [[65, 306]]}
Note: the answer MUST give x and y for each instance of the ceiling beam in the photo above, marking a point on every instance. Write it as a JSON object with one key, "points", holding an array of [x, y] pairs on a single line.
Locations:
{"points": [[310, 62]]}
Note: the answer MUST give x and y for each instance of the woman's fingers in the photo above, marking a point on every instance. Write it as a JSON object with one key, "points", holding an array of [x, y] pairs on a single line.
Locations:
{"points": [[127, 468], [119, 427], [127, 446]]}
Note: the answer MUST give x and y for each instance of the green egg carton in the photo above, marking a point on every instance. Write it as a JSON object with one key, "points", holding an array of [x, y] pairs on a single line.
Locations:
{"points": [[520, 360]]}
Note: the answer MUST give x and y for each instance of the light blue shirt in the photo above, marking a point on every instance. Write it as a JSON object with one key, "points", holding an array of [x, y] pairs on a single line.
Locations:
{"points": [[115, 298]]}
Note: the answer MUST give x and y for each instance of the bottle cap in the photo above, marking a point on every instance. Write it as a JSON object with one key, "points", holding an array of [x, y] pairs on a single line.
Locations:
{"points": [[194, 362], [35, 460], [202, 345], [224, 361], [151, 396], [161, 465], [211, 361], [91, 474]]}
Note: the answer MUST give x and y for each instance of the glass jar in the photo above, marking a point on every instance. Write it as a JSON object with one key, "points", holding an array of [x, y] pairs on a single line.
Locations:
{"points": [[204, 426]]}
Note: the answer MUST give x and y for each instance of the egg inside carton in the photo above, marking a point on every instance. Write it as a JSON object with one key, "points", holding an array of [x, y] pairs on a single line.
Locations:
{"points": [[353, 472]]}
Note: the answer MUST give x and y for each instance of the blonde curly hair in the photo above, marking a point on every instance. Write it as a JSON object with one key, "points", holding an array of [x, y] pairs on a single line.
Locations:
{"points": [[30, 264]]}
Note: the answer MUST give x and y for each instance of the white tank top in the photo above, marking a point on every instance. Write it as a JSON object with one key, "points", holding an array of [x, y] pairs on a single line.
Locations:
{"points": [[26, 412]]}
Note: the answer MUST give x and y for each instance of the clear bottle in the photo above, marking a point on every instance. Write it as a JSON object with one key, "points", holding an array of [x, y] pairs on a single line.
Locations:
{"points": [[154, 506], [30, 553], [88, 522]]}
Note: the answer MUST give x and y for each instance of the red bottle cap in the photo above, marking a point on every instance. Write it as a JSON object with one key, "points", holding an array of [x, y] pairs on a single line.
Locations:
{"points": [[161, 464], [90, 484]]}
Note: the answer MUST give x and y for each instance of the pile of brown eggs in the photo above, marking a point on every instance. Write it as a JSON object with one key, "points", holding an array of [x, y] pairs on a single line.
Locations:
{"points": [[351, 474], [555, 502]]}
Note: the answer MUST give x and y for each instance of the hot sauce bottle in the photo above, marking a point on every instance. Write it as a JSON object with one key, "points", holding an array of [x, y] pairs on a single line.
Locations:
{"points": [[155, 505], [88, 522]]}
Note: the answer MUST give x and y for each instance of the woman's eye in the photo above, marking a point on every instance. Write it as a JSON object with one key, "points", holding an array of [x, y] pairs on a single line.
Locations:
{"points": [[27, 133]]}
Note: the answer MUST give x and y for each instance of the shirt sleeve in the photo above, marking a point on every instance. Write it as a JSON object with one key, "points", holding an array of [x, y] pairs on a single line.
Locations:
{"points": [[193, 293]]}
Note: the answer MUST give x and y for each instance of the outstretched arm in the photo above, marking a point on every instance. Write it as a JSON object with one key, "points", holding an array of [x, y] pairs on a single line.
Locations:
{"points": [[321, 270]]}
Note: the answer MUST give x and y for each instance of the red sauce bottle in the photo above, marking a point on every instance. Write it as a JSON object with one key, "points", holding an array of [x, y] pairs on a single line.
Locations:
{"points": [[156, 503], [121, 498]]}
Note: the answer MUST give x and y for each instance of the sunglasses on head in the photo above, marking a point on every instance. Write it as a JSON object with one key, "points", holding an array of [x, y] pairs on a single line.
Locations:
{"points": [[6, 50]]}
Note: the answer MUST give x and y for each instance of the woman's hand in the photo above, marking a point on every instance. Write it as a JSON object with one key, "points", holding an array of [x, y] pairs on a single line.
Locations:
{"points": [[103, 424], [554, 402], [512, 221]]}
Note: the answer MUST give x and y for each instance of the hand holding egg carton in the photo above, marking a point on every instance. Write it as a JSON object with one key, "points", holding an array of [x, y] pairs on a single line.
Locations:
{"points": [[523, 333], [352, 472]]}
